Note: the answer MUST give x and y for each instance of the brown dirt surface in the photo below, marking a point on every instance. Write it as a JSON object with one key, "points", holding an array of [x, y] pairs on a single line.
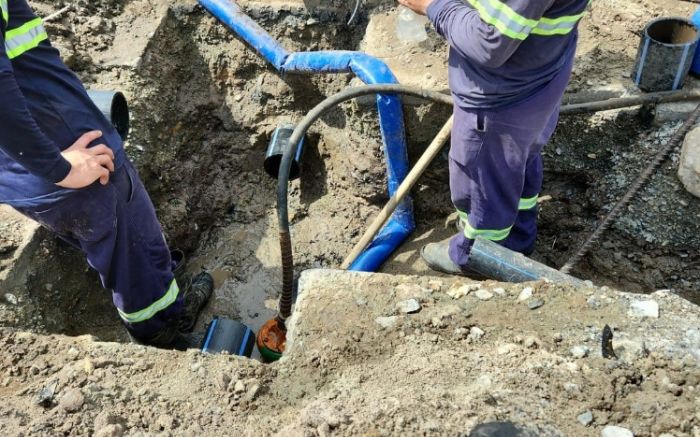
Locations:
{"points": [[203, 109], [357, 365]]}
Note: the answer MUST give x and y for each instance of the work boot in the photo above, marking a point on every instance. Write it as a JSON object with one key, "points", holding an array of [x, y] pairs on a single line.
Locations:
{"points": [[437, 257], [196, 292], [195, 298]]}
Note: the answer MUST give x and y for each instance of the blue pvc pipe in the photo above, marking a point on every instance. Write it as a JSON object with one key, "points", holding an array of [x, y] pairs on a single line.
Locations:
{"points": [[371, 71]]}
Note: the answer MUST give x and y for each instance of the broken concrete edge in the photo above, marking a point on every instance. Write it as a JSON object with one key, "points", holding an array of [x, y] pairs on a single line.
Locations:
{"points": [[378, 303], [377, 296]]}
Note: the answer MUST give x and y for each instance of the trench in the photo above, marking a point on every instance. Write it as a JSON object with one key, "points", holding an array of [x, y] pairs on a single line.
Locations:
{"points": [[204, 108]]}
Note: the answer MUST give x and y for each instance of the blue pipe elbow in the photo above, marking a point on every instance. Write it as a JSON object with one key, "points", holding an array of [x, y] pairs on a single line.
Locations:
{"points": [[371, 71]]}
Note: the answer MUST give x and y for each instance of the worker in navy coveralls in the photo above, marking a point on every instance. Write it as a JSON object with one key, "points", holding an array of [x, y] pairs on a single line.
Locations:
{"points": [[509, 64], [63, 165]]}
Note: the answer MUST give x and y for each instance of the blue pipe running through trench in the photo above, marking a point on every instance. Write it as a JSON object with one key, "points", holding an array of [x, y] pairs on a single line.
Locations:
{"points": [[371, 71]]}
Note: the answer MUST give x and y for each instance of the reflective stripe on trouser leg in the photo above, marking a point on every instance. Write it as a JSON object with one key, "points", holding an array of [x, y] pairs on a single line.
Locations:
{"points": [[169, 298]]}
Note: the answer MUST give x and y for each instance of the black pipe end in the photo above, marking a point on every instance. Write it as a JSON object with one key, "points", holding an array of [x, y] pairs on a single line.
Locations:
{"points": [[120, 115]]}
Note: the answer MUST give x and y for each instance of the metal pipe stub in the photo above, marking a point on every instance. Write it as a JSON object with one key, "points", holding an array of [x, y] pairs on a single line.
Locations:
{"points": [[114, 107], [665, 54], [275, 151]]}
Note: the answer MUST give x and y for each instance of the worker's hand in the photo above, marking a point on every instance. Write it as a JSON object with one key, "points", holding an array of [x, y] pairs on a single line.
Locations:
{"points": [[417, 6], [87, 165]]}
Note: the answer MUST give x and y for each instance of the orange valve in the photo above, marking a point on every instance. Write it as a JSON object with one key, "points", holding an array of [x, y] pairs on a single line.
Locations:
{"points": [[272, 339]]}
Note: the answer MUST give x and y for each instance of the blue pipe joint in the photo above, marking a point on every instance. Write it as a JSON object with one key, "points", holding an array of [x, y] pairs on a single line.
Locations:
{"points": [[371, 71]]}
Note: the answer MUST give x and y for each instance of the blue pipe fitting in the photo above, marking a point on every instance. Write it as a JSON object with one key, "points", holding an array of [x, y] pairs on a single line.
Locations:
{"points": [[371, 71]]}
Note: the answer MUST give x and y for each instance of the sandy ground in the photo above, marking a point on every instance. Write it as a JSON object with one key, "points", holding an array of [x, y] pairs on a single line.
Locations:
{"points": [[358, 365]]}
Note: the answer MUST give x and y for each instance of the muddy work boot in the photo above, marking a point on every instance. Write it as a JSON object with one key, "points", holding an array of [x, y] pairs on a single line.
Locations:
{"points": [[196, 292], [437, 257]]}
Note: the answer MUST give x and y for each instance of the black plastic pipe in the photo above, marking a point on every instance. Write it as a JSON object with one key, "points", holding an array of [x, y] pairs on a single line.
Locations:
{"points": [[114, 106]]}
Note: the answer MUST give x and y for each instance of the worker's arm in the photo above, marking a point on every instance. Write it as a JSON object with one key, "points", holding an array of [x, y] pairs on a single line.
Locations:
{"points": [[486, 32], [22, 139]]}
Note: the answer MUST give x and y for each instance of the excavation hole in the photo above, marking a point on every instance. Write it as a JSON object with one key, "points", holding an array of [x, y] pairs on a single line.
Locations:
{"points": [[200, 150]]}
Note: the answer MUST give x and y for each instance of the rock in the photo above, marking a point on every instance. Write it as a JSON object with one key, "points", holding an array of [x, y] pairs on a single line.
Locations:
{"points": [[580, 351], [475, 333], [461, 333], [435, 285], [112, 430], [483, 294], [387, 322], [46, 394], [616, 431], [409, 306], [408, 291], [239, 387], [105, 418], [223, 381], [525, 294], [558, 337], [459, 291], [532, 342], [253, 392], [533, 304], [165, 422], [507, 349], [644, 308], [629, 350], [11, 299], [500, 291], [72, 401], [689, 167], [88, 366], [585, 419]]}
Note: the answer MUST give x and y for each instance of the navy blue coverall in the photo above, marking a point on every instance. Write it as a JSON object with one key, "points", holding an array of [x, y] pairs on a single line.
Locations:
{"points": [[44, 110], [509, 64]]}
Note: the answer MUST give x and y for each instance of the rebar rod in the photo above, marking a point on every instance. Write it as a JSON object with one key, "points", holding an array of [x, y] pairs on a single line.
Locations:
{"points": [[648, 172]]}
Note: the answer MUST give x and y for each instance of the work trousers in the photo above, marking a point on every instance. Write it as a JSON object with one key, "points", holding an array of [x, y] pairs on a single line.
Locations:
{"points": [[116, 227], [496, 170]]}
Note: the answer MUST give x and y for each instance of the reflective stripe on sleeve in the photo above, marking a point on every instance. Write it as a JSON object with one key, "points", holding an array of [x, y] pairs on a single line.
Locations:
{"points": [[24, 38]]}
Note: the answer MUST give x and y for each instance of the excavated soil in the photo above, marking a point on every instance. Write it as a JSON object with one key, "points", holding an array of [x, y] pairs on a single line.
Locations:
{"points": [[203, 109]]}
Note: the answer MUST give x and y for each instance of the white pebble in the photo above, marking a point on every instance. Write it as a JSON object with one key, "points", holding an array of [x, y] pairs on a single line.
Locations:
{"points": [[579, 351], [644, 308], [525, 294], [484, 295], [616, 431]]}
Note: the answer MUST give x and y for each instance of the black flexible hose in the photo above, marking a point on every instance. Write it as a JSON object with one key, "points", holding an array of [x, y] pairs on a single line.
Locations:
{"points": [[285, 306]]}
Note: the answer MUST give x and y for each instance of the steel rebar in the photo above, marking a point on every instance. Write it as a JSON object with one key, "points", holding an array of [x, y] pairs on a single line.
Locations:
{"points": [[648, 172]]}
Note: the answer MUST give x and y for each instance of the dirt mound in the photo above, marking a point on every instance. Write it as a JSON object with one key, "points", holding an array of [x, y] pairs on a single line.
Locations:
{"points": [[358, 364]]}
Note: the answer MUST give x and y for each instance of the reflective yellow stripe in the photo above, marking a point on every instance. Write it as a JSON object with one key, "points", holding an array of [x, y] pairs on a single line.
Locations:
{"points": [[5, 13], [516, 26], [24, 38], [164, 302], [487, 234], [528, 203]]}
